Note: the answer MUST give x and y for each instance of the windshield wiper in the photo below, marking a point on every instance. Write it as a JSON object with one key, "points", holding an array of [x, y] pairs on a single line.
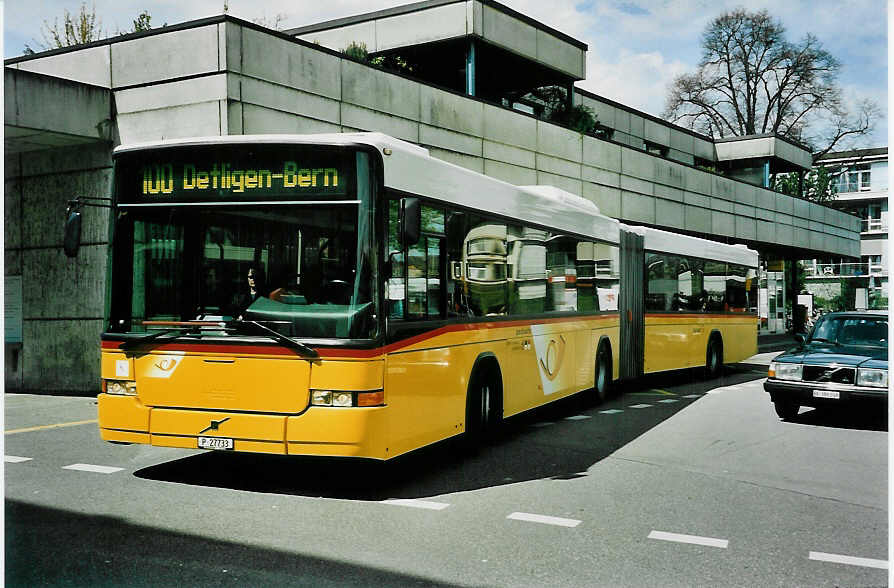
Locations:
{"points": [[821, 339], [297, 345], [131, 343]]}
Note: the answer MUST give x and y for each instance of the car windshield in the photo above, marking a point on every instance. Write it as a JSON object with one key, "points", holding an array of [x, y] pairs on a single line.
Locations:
{"points": [[848, 330]]}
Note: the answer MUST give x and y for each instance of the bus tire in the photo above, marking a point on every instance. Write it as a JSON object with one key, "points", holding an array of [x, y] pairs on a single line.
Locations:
{"points": [[714, 357], [484, 403], [602, 379]]}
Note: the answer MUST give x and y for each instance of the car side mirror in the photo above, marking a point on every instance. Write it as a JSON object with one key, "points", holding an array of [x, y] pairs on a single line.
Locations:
{"points": [[71, 242], [410, 221]]}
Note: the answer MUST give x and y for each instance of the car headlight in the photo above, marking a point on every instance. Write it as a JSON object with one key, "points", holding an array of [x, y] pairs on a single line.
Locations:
{"points": [[872, 377], [785, 371]]}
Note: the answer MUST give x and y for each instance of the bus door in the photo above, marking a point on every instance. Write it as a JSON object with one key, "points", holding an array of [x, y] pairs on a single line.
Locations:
{"points": [[631, 305]]}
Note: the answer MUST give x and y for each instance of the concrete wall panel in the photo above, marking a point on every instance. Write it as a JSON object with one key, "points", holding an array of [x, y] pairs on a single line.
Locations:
{"points": [[559, 142], [259, 120], [378, 90], [722, 223], [172, 94], [766, 231], [601, 154], [637, 164], [440, 137], [704, 149], [48, 363], [669, 173], [721, 205], [576, 187], [373, 120], [277, 60], [600, 176], [509, 154], [514, 174], [696, 199], [636, 207], [785, 234], [434, 24], [668, 193], [607, 199], [162, 57], [45, 197], [449, 111], [555, 165], [723, 188], [636, 185], [191, 120], [785, 204], [670, 214], [699, 181], [560, 55], [682, 141], [746, 228], [657, 133], [501, 29], [13, 189], [77, 284], [285, 99], [341, 37], [460, 159], [88, 66], [698, 219], [504, 126]]}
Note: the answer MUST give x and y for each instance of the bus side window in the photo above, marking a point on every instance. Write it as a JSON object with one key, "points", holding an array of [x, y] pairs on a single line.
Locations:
{"points": [[395, 290]]}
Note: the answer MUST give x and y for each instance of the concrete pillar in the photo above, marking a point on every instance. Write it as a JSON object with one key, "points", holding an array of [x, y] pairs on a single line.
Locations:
{"points": [[470, 69], [793, 288]]}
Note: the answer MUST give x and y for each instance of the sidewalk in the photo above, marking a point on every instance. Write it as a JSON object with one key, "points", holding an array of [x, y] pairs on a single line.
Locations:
{"points": [[768, 347]]}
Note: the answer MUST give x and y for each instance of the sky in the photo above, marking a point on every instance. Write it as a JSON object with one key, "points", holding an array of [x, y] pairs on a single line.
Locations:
{"points": [[636, 47]]}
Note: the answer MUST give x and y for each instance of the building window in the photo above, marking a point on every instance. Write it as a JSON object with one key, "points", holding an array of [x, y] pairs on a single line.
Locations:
{"points": [[655, 148], [856, 178]]}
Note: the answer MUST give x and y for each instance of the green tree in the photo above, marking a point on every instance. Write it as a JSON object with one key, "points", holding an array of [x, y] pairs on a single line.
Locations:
{"points": [[555, 109], [819, 185], [78, 29], [752, 80]]}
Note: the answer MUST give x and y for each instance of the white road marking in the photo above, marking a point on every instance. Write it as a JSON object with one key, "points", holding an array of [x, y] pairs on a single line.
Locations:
{"points": [[578, 417], [693, 396], [414, 503], [546, 520], [86, 467], [640, 406], [610, 411], [668, 400], [849, 560], [15, 459], [693, 539]]}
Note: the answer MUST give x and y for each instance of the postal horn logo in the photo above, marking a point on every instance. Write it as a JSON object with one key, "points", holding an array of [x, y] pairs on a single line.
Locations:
{"points": [[551, 362]]}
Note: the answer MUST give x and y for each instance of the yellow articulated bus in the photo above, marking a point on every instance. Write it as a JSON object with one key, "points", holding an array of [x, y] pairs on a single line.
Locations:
{"points": [[350, 295]]}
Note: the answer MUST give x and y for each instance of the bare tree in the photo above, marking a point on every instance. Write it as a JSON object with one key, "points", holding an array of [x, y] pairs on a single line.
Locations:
{"points": [[751, 80], [80, 28]]}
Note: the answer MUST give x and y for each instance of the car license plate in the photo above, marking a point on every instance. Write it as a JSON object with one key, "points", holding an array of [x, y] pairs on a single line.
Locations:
{"points": [[833, 394], [215, 443]]}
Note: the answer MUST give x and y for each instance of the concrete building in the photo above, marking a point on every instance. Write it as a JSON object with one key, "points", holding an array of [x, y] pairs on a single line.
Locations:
{"points": [[860, 178], [66, 110]]}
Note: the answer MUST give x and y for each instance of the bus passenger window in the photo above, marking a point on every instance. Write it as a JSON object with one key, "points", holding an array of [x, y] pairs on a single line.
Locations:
{"points": [[715, 286], [484, 264]]}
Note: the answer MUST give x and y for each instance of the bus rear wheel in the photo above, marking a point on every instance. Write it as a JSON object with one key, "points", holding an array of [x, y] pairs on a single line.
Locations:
{"points": [[603, 374], [714, 358]]}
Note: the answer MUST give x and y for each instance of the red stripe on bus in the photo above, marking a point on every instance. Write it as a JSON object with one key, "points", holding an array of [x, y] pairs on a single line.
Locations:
{"points": [[358, 353]]}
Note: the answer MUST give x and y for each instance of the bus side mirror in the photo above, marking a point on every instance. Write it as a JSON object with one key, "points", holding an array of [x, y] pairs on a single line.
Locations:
{"points": [[72, 240], [410, 220]]}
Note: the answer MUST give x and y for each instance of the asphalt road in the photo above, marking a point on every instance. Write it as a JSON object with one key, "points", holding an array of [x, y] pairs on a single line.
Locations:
{"points": [[678, 482]]}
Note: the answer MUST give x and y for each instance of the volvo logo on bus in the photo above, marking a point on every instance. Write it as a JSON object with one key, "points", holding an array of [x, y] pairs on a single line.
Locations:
{"points": [[215, 425]]}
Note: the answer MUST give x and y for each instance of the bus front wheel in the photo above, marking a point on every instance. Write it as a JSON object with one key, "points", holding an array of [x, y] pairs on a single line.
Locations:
{"points": [[484, 405]]}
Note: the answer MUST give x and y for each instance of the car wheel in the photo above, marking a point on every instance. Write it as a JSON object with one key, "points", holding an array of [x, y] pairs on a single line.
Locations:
{"points": [[786, 410]]}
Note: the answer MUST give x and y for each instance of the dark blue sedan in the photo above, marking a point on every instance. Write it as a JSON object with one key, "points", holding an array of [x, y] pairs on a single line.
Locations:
{"points": [[844, 360]]}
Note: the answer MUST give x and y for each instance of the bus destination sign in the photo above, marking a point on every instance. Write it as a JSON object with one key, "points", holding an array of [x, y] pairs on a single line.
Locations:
{"points": [[166, 178], [228, 176]]}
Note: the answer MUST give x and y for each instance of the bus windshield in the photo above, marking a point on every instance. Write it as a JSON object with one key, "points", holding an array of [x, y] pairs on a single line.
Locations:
{"points": [[303, 269]]}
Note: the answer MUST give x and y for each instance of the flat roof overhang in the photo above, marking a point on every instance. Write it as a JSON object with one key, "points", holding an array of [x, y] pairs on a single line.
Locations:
{"points": [[784, 155]]}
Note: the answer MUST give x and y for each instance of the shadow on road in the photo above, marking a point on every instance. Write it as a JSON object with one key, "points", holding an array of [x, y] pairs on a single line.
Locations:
{"points": [[51, 547], [553, 442], [865, 418]]}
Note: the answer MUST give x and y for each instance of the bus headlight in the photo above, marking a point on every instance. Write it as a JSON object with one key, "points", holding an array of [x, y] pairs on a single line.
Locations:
{"points": [[871, 377], [119, 387], [786, 371]]}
